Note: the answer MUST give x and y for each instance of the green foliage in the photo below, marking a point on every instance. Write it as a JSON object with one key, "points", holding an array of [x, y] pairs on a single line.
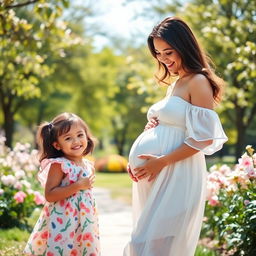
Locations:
{"points": [[32, 36]]}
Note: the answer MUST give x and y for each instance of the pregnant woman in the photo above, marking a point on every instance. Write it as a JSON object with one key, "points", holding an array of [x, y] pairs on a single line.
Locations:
{"points": [[167, 160]]}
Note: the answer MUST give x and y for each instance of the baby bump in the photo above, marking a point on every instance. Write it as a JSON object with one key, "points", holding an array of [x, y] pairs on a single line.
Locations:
{"points": [[147, 143]]}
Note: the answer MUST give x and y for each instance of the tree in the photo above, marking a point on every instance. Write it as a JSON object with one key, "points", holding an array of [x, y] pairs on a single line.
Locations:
{"points": [[31, 34]]}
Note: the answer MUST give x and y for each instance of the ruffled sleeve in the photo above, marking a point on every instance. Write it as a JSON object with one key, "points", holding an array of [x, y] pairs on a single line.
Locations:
{"points": [[45, 167], [202, 125]]}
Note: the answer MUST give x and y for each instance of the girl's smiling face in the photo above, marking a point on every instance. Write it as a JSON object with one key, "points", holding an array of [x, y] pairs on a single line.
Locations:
{"points": [[168, 56], [73, 143]]}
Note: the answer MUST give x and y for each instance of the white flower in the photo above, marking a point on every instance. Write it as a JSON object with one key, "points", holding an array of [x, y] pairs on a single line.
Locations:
{"points": [[20, 174], [8, 180]]}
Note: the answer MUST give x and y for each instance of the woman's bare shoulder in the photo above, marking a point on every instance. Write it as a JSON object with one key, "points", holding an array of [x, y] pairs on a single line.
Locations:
{"points": [[200, 91]]}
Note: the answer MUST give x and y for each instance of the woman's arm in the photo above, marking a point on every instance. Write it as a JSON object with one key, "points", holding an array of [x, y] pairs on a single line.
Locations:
{"points": [[53, 191]]}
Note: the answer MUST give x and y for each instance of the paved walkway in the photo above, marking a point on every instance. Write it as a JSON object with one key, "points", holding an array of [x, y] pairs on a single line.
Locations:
{"points": [[115, 220]]}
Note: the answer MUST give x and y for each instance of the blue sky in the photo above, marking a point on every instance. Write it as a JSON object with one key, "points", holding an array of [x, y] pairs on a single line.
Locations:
{"points": [[120, 20]]}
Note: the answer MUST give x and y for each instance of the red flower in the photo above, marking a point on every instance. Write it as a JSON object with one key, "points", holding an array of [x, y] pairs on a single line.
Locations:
{"points": [[75, 213], [46, 211], [82, 205], [88, 236], [44, 235], [68, 205], [58, 238], [49, 254], [79, 238], [62, 202], [72, 234], [59, 220], [73, 252]]}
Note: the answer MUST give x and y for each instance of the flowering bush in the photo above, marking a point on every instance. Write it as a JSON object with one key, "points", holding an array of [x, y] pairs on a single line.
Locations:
{"points": [[231, 209], [111, 163], [17, 197]]}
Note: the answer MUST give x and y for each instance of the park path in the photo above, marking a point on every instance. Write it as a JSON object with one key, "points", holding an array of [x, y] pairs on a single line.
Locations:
{"points": [[115, 223]]}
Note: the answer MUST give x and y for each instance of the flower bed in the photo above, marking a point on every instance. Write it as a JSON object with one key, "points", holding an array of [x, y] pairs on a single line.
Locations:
{"points": [[231, 208], [18, 197]]}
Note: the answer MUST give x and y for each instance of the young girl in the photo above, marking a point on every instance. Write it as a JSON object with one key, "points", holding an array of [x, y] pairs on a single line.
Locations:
{"points": [[68, 223]]}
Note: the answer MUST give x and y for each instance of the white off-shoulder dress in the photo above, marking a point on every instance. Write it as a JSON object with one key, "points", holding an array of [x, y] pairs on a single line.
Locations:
{"points": [[168, 211]]}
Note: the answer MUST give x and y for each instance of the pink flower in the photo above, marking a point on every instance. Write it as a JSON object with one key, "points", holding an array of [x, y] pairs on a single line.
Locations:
{"points": [[245, 162], [252, 173], [19, 197], [39, 199], [246, 202], [213, 201], [72, 234]]}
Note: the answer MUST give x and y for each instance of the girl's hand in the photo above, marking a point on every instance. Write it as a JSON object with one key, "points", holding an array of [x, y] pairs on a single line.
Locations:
{"points": [[151, 168], [86, 183], [130, 173], [152, 123]]}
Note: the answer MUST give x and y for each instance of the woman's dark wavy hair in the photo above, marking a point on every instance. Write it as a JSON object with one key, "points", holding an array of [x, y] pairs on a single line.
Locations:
{"points": [[179, 36], [61, 124]]}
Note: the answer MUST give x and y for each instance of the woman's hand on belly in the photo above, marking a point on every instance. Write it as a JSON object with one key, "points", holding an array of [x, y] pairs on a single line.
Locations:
{"points": [[128, 168], [151, 168], [152, 123]]}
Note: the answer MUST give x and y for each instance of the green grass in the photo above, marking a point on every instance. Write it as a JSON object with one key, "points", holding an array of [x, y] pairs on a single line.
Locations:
{"points": [[119, 184]]}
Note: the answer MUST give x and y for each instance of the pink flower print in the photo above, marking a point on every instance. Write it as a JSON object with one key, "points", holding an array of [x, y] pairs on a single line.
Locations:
{"points": [[73, 252], [75, 213], [92, 254], [59, 220], [62, 202], [82, 205], [79, 238], [88, 236], [46, 211], [44, 235], [68, 205], [35, 236], [39, 199], [72, 234], [87, 210], [19, 197], [49, 254], [58, 238]]}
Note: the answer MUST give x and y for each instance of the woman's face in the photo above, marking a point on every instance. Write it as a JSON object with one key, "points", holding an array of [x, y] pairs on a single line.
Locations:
{"points": [[168, 56]]}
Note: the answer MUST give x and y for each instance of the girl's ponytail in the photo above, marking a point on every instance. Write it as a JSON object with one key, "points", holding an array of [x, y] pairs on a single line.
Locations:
{"points": [[45, 138]]}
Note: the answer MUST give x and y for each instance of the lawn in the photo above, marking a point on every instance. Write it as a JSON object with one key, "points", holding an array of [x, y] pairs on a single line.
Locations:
{"points": [[119, 184]]}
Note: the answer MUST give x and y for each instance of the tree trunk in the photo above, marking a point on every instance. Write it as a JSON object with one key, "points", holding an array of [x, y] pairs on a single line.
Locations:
{"points": [[8, 125], [241, 131]]}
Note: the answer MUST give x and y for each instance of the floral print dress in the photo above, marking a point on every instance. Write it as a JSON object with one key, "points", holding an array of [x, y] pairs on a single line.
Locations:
{"points": [[69, 226]]}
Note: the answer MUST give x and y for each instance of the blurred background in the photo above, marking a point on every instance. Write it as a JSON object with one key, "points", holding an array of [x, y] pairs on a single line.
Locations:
{"points": [[91, 58]]}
